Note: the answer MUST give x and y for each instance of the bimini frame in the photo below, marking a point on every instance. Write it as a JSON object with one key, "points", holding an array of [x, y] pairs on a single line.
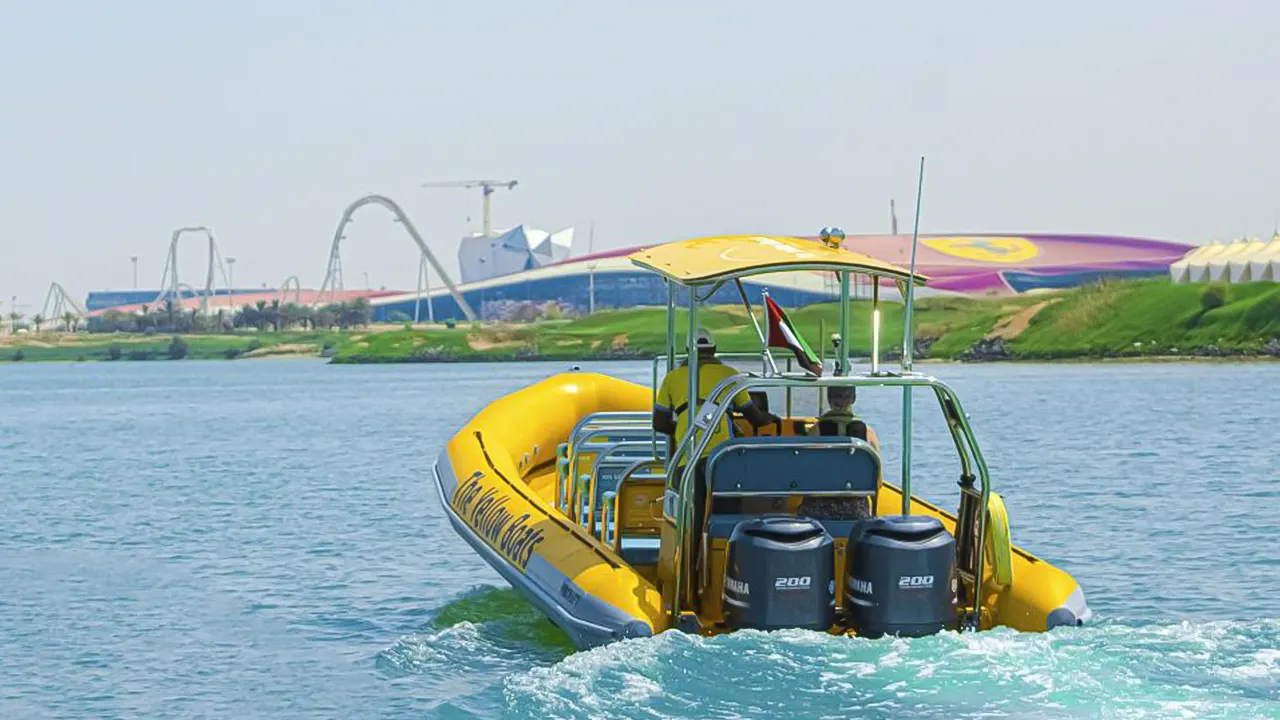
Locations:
{"points": [[701, 271]]}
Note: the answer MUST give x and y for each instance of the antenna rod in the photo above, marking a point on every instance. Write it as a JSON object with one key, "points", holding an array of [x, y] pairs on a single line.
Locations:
{"points": [[908, 346], [908, 336]]}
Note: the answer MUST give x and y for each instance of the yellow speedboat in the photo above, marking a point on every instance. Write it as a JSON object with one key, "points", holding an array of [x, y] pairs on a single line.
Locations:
{"points": [[567, 491]]}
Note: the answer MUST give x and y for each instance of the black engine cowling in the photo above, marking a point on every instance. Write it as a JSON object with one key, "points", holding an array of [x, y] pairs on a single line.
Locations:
{"points": [[780, 573], [898, 576]]}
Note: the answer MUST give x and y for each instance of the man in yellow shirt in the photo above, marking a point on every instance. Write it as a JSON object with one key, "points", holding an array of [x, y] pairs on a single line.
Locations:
{"points": [[673, 407], [671, 413]]}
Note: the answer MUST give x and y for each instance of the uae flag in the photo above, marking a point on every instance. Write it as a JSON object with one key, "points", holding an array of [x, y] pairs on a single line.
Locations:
{"points": [[782, 334]]}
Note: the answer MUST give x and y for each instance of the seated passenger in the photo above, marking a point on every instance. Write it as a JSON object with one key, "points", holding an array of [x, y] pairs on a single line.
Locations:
{"points": [[840, 421]]}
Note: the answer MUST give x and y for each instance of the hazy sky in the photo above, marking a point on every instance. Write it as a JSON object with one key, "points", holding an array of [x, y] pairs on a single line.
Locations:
{"points": [[121, 120]]}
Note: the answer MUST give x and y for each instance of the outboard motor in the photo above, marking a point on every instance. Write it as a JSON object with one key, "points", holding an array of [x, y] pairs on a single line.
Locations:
{"points": [[898, 576], [780, 573]]}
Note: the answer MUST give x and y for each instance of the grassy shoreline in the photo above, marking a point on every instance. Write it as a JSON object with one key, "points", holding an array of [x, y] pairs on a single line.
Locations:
{"points": [[1148, 320], [137, 347], [1131, 320]]}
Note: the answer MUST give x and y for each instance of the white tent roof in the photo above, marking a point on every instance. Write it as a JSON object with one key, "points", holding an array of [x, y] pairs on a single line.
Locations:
{"points": [[1240, 262], [1245, 260]]}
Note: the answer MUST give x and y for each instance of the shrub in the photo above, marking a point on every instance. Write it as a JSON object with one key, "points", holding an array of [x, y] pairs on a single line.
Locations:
{"points": [[1213, 296], [139, 355], [232, 353], [18, 356], [113, 353], [254, 344], [177, 348], [450, 324]]}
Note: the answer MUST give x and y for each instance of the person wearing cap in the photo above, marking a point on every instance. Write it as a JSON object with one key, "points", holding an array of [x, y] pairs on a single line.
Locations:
{"points": [[671, 412], [671, 415]]}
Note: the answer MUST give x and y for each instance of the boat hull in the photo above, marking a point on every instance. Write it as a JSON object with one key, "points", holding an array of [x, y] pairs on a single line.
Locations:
{"points": [[496, 481], [496, 478]]}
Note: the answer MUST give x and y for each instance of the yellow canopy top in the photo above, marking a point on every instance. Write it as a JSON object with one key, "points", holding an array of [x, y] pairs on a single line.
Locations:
{"points": [[710, 259]]}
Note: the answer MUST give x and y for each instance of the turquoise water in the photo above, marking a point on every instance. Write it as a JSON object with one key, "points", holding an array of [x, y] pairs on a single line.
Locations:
{"points": [[258, 539]]}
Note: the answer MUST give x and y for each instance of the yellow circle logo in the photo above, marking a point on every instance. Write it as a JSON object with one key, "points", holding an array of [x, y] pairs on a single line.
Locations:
{"points": [[1006, 250]]}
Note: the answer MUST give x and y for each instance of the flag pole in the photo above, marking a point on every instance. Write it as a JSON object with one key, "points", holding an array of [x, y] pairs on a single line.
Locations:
{"points": [[764, 341]]}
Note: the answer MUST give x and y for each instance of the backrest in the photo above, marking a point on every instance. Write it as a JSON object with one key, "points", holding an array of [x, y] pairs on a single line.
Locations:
{"points": [[794, 466], [782, 468], [638, 504]]}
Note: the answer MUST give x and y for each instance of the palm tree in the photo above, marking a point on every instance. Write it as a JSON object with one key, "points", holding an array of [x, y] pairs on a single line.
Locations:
{"points": [[69, 321], [325, 317], [37, 320], [14, 318], [263, 317], [306, 316]]}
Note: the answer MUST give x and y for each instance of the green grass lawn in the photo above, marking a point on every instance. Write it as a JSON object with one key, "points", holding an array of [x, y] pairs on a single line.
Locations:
{"points": [[86, 347], [1153, 317]]}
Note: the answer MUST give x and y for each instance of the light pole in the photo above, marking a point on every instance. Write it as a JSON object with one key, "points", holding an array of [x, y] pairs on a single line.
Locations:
{"points": [[366, 282], [591, 289], [134, 259], [231, 280], [591, 271]]}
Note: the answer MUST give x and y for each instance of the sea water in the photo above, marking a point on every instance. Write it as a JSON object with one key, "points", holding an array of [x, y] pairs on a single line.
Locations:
{"points": [[260, 539]]}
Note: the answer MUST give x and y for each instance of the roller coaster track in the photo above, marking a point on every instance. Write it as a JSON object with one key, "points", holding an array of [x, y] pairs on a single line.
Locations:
{"points": [[170, 284], [332, 284], [58, 302], [291, 283]]}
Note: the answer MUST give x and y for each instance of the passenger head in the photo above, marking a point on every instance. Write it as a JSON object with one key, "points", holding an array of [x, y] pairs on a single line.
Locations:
{"points": [[841, 396], [705, 343]]}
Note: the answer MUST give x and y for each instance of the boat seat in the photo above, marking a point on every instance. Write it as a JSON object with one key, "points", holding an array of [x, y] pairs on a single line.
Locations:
{"points": [[640, 551], [793, 466], [782, 467], [614, 466], [638, 516]]}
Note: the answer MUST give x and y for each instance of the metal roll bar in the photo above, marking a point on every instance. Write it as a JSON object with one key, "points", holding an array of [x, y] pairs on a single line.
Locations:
{"points": [[622, 419], [606, 458], [585, 442], [713, 411]]}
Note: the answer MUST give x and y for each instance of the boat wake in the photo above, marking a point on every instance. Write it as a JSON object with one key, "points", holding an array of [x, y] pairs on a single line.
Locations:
{"points": [[469, 645], [491, 653], [1216, 669]]}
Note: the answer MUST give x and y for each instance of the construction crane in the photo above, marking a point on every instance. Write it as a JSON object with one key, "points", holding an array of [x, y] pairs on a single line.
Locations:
{"points": [[488, 186]]}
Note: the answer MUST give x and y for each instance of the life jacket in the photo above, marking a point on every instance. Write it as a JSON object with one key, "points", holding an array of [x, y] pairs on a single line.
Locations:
{"points": [[683, 407], [842, 424]]}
